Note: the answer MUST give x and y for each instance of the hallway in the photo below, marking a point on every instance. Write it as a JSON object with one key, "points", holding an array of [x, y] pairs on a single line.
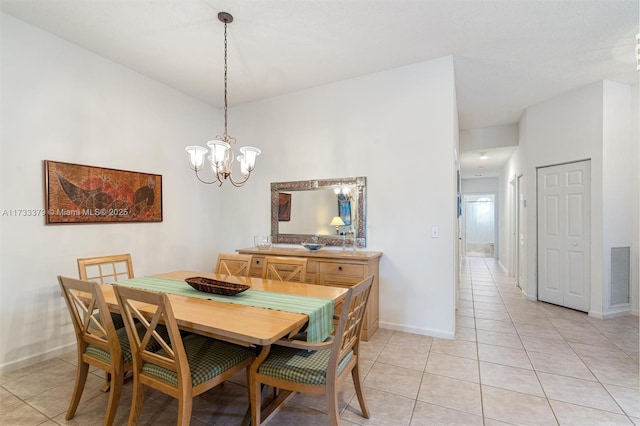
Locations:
{"points": [[540, 363]]}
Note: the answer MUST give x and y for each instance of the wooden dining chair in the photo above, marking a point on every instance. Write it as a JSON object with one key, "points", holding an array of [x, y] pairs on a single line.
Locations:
{"points": [[106, 269], [234, 264], [184, 367], [285, 268], [98, 342], [315, 368]]}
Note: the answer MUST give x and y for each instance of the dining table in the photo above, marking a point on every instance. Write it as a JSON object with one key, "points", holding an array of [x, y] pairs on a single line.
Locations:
{"points": [[236, 319]]}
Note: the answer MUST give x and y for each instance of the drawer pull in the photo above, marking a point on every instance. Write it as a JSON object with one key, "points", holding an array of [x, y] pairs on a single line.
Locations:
{"points": [[339, 268], [257, 262]]}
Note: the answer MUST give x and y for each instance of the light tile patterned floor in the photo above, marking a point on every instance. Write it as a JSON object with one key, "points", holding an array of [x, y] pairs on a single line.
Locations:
{"points": [[513, 362]]}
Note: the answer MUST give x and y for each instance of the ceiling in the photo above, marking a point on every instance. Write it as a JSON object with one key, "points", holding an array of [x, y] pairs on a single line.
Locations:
{"points": [[473, 167], [508, 54]]}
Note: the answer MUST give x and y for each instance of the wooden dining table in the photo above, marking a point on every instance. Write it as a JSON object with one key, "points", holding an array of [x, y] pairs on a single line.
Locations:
{"points": [[244, 325], [235, 323]]}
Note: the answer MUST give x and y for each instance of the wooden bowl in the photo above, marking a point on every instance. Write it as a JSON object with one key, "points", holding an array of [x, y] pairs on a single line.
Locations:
{"points": [[209, 285]]}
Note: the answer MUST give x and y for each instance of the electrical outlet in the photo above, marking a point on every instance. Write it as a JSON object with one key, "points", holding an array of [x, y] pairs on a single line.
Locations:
{"points": [[435, 232]]}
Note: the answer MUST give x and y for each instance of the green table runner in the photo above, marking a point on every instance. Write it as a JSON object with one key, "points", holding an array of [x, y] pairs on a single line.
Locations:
{"points": [[320, 311]]}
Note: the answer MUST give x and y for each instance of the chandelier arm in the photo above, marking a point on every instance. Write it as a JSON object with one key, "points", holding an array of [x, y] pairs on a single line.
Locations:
{"points": [[238, 184], [217, 181]]}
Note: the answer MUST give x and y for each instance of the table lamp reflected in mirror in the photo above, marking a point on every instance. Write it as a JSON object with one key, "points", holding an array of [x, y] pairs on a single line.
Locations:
{"points": [[337, 222]]}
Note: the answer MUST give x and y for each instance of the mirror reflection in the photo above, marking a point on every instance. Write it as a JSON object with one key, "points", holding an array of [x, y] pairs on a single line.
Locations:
{"points": [[327, 211]]}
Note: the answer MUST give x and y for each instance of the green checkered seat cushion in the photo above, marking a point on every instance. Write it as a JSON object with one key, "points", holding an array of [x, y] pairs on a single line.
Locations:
{"points": [[299, 365], [118, 321], [207, 359], [125, 346]]}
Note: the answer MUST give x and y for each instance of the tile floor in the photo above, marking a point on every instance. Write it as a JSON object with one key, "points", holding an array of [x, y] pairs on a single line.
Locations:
{"points": [[512, 362]]}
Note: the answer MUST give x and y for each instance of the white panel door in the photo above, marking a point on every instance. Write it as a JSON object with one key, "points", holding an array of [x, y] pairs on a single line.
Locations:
{"points": [[549, 236], [564, 235]]}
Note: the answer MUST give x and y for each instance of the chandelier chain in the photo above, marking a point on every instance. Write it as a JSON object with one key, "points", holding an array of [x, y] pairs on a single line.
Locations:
{"points": [[222, 155], [226, 135]]}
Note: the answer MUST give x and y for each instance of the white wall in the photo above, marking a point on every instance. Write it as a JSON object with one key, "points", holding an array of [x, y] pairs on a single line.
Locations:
{"points": [[398, 129], [620, 178], [596, 123], [565, 129], [635, 153], [60, 102], [513, 168], [489, 137], [480, 186]]}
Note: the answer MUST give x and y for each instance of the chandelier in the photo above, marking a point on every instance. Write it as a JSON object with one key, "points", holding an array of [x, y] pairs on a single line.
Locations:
{"points": [[222, 156]]}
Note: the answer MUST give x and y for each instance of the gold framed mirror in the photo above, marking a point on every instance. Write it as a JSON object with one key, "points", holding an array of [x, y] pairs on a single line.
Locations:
{"points": [[304, 211]]}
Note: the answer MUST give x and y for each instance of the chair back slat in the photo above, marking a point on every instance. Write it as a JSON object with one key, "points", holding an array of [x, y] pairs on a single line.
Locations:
{"points": [[84, 300], [151, 331], [152, 310], [105, 269], [234, 264], [285, 268], [85, 309], [347, 335]]}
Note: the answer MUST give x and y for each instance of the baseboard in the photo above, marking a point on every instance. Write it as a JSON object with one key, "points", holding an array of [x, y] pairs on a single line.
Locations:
{"points": [[34, 359], [618, 313], [529, 298], [504, 269], [596, 314], [418, 330]]}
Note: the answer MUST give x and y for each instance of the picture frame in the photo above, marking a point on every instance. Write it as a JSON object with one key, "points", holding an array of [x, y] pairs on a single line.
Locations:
{"points": [[344, 209], [284, 207], [76, 193]]}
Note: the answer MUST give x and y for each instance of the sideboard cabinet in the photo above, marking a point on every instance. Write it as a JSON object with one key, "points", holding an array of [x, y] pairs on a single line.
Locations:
{"points": [[331, 267]]}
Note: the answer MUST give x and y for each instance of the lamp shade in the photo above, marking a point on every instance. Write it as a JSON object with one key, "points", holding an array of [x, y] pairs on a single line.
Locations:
{"points": [[337, 221], [196, 156], [219, 152], [250, 153]]}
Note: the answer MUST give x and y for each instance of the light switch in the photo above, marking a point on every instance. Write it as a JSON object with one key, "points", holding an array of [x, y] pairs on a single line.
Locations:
{"points": [[435, 232]]}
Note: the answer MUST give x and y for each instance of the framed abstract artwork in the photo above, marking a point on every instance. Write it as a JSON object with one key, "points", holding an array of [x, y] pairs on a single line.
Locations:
{"points": [[344, 209], [284, 207], [77, 193]]}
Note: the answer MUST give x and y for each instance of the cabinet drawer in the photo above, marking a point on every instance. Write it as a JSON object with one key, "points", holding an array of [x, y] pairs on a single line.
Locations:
{"points": [[341, 269], [338, 280]]}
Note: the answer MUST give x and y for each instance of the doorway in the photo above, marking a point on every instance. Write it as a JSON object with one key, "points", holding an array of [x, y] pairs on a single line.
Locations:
{"points": [[479, 225], [521, 262], [564, 225]]}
